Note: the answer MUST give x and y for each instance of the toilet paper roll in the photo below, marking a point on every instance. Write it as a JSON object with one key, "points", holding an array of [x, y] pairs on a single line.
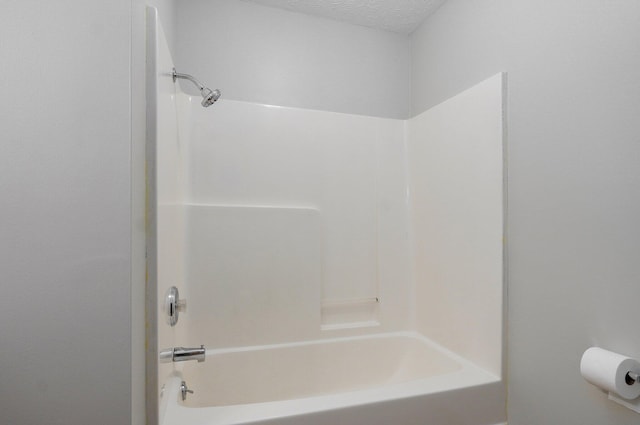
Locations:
{"points": [[608, 370]]}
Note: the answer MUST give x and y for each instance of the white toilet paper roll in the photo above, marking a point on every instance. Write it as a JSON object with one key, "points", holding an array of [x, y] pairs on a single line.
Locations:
{"points": [[608, 370]]}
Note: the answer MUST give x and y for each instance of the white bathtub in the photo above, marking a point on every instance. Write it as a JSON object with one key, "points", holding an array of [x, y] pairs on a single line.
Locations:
{"points": [[398, 378]]}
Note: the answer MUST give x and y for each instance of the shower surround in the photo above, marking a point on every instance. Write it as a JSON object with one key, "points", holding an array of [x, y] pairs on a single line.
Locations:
{"points": [[338, 268]]}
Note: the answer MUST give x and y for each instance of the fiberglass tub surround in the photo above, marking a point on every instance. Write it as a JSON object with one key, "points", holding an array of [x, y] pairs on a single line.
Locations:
{"points": [[338, 268]]}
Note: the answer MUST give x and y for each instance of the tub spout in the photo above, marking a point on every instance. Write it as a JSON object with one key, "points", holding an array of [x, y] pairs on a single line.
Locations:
{"points": [[181, 354]]}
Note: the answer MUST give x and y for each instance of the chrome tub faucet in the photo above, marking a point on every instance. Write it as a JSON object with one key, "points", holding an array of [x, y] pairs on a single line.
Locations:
{"points": [[181, 354]]}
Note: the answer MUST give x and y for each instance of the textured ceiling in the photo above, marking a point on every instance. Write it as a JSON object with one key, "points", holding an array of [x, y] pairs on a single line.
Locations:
{"points": [[402, 16]]}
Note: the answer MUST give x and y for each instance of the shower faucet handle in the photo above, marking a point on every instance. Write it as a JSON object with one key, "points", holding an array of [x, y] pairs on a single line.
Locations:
{"points": [[173, 305], [181, 305]]}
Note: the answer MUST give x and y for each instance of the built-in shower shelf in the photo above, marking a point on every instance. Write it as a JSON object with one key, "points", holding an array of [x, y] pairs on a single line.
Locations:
{"points": [[350, 325], [332, 303], [350, 313]]}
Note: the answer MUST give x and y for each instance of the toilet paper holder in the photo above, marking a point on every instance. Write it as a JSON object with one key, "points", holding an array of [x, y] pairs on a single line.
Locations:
{"points": [[615, 374], [632, 377]]}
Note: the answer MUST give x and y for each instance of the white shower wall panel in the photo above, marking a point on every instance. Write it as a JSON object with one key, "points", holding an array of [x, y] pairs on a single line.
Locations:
{"points": [[456, 180], [257, 274], [169, 189], [169, 185], [351, 168]]}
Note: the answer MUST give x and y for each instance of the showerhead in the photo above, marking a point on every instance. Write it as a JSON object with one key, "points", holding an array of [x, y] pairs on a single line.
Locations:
{"points": [[209, 97]]}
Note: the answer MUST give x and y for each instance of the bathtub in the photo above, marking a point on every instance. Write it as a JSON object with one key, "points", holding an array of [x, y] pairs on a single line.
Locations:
{"points": [[397, 378]]}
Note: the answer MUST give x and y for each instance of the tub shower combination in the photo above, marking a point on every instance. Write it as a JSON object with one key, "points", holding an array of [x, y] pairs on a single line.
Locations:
{"points": [[324, 268]]}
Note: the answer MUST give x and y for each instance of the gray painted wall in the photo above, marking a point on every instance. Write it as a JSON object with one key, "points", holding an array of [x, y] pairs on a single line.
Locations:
{"points": [[65, 221], [266, 55], [574, 182]]}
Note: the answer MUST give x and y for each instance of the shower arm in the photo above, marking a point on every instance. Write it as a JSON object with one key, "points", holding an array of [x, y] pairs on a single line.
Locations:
{"points": [[209, 97], [177, 75]]}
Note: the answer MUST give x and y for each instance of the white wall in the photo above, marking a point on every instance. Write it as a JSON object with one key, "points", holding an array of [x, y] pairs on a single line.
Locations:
{"points": [[573, 234], [65, 181], [266, 55]]}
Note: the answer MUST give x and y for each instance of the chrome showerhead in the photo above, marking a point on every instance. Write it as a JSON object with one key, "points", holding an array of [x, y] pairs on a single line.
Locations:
{"points": [[209, 97]]}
